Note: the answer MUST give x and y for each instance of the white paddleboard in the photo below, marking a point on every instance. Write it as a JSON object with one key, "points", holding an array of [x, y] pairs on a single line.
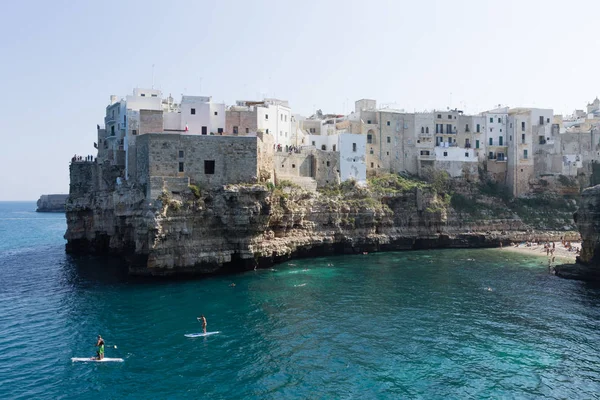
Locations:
{"points": [[192, 335], [92, 359]]}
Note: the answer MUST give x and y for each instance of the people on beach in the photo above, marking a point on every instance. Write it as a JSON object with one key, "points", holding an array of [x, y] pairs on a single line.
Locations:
{"points": [[203, 320], [100, 345]]}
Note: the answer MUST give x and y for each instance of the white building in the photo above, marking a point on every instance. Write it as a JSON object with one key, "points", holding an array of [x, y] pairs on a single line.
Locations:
{"points": [[271, 116], [199, 115], [352, 148]]}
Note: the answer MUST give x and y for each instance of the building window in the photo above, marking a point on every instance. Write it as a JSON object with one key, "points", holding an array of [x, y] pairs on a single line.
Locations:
{"points": [[422, 130], [388, 153], [323, 147], [522, 126], [389, 139], [371, 151], [181, 169], [426, 129], [388, 123], [353, 147], [491, 141], [466, 154], [449, 116], [477, 144], [209, 167], [216, 113], [478, 128], [491, 120], [500, 129], [525, 154], [293, 165], [548, 120], [154, 95], [491, 129], [368, 121], [500, 140], [334, 147], [180, 153], [193, 111], [143, 95], [267, 131], [328, 163], [247, 130], [219, 130], [439, 116], [313, 143], [204, 130], [112, 130], [134, 132], [523, 138], [266, 116], [369, 138], [371, 165], [235, 130], [499, 120], [467, 128], [445, 154], [285, 120]]}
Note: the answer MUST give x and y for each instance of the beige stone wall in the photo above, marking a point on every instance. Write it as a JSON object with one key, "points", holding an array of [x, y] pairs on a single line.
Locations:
{"points": [[322, 166], [151, 121], [235, 158], [246, 122], [265, 157]]}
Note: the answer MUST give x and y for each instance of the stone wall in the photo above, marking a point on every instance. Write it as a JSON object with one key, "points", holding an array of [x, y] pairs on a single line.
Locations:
{"points": [[322, 166], [208, 161]]}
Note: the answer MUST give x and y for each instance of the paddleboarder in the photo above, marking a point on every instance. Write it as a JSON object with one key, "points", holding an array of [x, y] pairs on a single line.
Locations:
{"points": [[100, 345], [203, 320]]}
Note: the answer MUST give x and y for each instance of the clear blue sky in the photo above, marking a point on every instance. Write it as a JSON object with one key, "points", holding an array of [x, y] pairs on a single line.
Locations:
{"points": [[61, 60]]}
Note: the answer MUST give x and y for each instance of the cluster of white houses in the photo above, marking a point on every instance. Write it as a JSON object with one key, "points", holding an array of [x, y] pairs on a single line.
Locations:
{"points": [[515, 146]]}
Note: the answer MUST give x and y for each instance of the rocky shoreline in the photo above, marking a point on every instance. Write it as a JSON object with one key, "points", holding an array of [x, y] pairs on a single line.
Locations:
{"points": [[242, 227]]}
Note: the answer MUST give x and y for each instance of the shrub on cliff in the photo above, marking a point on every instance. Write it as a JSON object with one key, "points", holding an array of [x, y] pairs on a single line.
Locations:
{"points": [[195, 191], [389, 184]]}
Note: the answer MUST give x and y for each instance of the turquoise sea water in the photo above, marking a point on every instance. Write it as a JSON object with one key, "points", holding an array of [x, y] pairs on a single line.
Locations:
{"points": [[427, 324]]}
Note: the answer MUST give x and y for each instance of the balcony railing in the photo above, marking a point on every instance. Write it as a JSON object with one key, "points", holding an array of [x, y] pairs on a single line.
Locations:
{"points": [[426, 156]]}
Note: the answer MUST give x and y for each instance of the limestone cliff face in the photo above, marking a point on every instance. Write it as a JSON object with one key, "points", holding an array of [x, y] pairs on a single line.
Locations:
{"points": [[52, 203], [587, 219], [246, 226]]}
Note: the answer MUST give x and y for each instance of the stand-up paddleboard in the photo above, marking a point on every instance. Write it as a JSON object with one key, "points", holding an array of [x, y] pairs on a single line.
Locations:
{"points": [[93, 359], [192, 335]]}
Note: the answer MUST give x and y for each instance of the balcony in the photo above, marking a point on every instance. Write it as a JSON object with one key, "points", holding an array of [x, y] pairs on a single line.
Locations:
{"points": [[427, 157]]}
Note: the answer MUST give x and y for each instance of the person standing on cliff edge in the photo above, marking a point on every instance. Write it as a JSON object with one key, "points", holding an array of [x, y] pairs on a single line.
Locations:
{"points": [[203, 320]]}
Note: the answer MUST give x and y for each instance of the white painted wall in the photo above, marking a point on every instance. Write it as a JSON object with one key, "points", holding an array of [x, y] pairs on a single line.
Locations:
{"points": [[495, 127], [204, 115], [455, 154], [324, 140], [353, 164]]}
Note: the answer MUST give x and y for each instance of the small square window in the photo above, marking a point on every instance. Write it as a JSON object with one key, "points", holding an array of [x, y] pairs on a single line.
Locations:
{"points": [[266, 116], [209, 167], [220, 130], [439, 116], [216, 113], [293, 165], [180, 153], [389, 140], [193, 111], [368, 121], [466, 154], [388, 123], [143, 95], [445, 154], [134, 132]]}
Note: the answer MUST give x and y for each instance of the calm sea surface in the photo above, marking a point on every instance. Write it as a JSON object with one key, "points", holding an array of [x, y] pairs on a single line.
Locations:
{"points": [[428, 324]]}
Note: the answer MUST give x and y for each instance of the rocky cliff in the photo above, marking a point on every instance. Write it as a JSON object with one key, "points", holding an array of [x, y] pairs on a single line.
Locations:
{"points": [[246, 226], [52, 203]]}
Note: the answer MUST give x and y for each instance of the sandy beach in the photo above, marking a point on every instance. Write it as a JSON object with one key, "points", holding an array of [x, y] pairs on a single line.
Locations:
{"points": [[561, 254]]}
